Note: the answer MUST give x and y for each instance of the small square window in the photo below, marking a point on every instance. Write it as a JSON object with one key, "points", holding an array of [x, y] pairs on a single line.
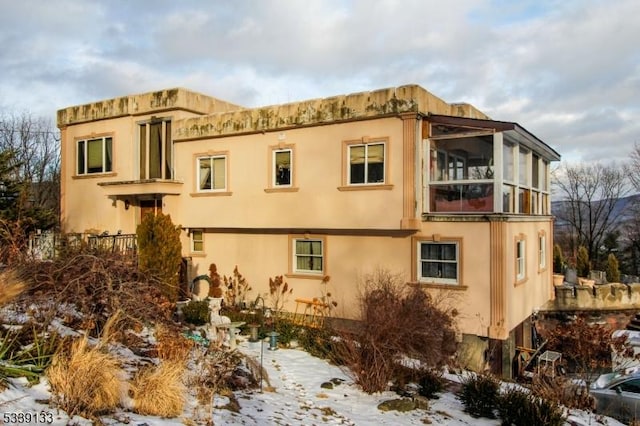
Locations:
{"points": [[438, 262], [197, 241], [212, 173], [95, 155], [308, 256], [366, 163]]}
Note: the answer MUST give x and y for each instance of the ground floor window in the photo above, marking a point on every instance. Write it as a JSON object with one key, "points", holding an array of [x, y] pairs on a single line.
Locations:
{"points": [[308, 255], [438, 262]]}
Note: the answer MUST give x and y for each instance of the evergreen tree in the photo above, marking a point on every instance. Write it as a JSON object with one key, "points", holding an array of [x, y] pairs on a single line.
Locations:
{"points": [[160, 251]]}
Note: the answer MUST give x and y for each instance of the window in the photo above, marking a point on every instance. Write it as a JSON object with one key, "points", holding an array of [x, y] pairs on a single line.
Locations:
{"points": [[366, 163], [308, 256], [212, 173], [542, 251], [520, 260], [95, 155], [197, 240], [282, 167], [155, 149], [438, 262]]}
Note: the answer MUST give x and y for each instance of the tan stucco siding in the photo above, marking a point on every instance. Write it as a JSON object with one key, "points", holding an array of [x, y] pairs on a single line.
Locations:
{"points": [[319, 199]]}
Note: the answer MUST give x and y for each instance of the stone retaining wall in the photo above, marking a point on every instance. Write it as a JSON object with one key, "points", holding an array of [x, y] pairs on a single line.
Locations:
{"points": [[612, 296]]}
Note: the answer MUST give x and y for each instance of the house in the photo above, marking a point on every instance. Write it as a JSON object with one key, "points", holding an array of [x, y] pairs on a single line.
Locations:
{"points": [[395, 178]]}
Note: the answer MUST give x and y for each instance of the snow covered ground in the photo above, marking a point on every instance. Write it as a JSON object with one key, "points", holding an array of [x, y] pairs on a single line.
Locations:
{"points": [[295, 397]]}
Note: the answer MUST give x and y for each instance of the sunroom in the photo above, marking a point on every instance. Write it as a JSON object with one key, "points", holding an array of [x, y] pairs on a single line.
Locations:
{"points": [[483, 166]]}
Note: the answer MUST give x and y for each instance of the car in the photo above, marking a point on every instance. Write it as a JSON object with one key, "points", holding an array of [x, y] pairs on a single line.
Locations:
{"points": [[617, 395]]}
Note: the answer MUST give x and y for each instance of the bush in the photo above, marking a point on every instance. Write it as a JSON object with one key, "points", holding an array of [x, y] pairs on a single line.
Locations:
{"points": [[431, 382], [562, 390], [85, 380], [158, 391], [520, 408], [171, 345], [613, 269], [396, 320], [287, 331], [558, 259], [197, 312], [160, 251], [583, 265], [479, 394], [317, 342]]}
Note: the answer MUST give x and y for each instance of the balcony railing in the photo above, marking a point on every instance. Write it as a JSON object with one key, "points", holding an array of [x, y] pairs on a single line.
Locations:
{"points": [[47, 245]]}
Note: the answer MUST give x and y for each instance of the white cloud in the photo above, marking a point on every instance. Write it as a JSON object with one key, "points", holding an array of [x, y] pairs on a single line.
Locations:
{"points": [[569, 71]]}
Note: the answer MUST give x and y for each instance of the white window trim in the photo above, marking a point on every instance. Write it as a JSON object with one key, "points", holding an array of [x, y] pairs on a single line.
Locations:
{"points": [[193, 241], [436, 280], [211, 157], [542, 251], [86, 155], [366, 160], [521, 262], [273, 168], [295, 256]]}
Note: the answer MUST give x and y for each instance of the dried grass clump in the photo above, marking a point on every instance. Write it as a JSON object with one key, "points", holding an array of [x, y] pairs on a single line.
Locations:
{"points": [[159, 391], [172, 346], [11, 285], [85, 380]]}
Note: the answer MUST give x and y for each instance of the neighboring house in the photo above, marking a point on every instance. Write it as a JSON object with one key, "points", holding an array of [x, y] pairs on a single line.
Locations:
{"points": [[394, 178]]}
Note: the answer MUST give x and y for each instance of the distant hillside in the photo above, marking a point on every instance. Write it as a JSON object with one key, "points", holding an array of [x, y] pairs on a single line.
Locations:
{"points": [[621, 212]]}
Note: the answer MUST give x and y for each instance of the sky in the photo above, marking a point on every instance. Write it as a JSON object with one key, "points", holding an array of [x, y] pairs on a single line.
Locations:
{"points": [[566, 70]]}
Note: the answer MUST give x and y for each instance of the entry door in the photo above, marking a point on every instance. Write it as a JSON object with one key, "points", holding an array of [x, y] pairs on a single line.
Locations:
{"points": [[150, 206]]}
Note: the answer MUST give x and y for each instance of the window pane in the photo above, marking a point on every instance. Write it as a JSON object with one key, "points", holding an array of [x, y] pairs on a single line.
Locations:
{"points": [[356, 164], [81, 168], [219, 173], [143, 151], [439, 261], [375, 163], [283, 167], [507, 158], [205, 173], [535, 175], [442, 165], [155, 151], [461, 198], [522, 168], [168, 161], [507, 199], [94, 156], [109, 153]]}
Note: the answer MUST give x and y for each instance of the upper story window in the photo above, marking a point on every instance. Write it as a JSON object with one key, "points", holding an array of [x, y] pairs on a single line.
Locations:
{"points": [[366, 163], [212, 173], [155, 149], [438, 262], [95, 155], [462, 172], [282, 167]]}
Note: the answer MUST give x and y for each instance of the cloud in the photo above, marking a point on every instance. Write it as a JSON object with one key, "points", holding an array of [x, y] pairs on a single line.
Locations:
{"points": [[567, 70]]}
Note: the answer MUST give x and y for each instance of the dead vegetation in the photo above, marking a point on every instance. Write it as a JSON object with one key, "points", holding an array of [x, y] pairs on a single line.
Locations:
{"points": [[158, 390], [397, 322]]}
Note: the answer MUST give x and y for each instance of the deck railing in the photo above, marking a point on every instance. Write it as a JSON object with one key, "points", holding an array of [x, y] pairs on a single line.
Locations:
{"points": [[47, 245]]}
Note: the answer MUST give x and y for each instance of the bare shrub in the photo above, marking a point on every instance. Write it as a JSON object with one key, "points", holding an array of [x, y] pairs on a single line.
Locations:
{"points": [[562, 390], [99, 283], [171, 345], [396, 321], [211, 373], [85, 380], [159, 391], [11, 285], [588, 347]]}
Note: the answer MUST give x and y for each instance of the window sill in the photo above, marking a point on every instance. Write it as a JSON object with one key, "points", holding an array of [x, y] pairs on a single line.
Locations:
{"points": [[94, 175], [283, 189], [365, 187], [198, 254], [423, 284], [520, 282], [319, 276], [211, 194]]}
